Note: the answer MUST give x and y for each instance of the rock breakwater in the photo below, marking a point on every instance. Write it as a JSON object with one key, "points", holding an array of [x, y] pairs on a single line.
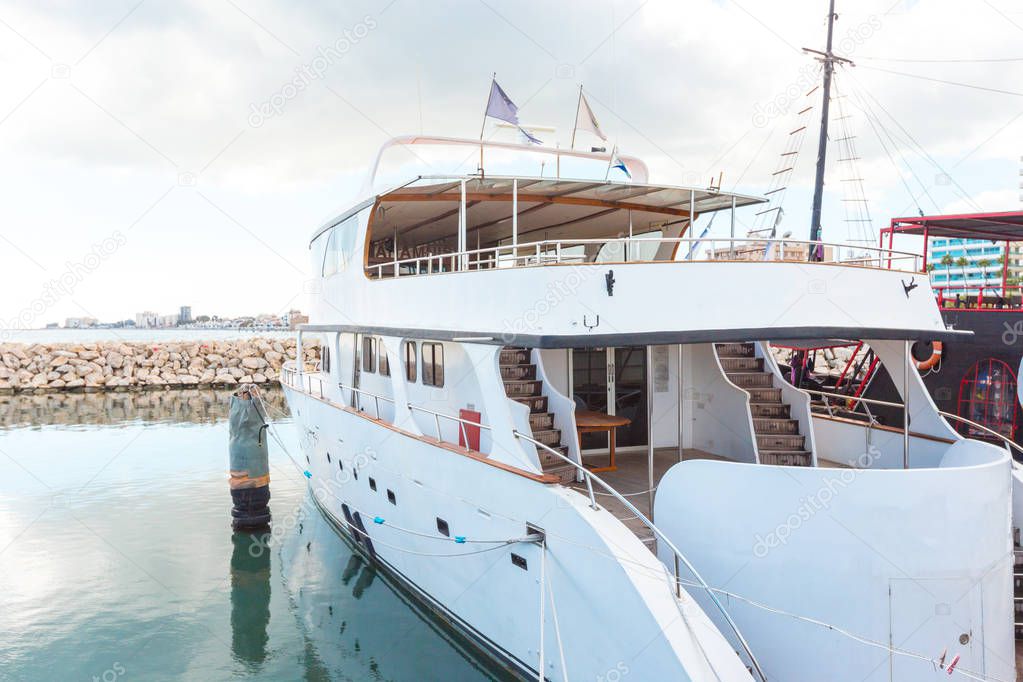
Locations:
{"points": [[42, 368]]}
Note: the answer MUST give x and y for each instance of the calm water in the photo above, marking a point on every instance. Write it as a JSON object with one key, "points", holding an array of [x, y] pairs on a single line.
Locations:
{"points": [[117, 560]]}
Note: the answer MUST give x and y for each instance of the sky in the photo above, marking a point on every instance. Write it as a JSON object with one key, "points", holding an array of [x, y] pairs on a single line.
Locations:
{"points": [[155, 154]]}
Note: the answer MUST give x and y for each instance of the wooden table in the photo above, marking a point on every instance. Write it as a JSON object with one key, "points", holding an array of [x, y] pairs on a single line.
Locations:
{"points": [[588, 421]]}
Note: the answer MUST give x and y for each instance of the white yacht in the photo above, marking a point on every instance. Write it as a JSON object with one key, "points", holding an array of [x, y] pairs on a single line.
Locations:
{"points": [[554, 416]]}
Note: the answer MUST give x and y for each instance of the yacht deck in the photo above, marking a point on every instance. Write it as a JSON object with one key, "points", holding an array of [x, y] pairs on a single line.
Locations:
{"points": [[631, 480]]}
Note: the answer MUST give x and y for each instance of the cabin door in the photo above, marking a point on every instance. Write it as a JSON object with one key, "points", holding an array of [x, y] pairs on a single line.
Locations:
{"points": [[612, 380]]}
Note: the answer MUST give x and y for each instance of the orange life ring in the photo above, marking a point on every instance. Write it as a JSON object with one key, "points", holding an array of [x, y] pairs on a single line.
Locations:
{"points": [[930, 362]]}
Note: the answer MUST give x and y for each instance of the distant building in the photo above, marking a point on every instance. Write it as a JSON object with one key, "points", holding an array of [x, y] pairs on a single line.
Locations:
{"points": [[295, 318], [185, 317], [146, 319], [167, 321], [52, 325], [80, 322], [745, 250], [983, 266]]}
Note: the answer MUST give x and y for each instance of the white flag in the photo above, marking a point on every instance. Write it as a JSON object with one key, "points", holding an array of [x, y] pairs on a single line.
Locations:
{"points": [[585, 120]]}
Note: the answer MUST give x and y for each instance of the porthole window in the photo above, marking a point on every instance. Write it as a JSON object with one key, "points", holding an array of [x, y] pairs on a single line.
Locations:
{"points": [[410, 361], [369, 354], [442, 527], [328, 458], [391, 498], [372, 483], [433, 364]]}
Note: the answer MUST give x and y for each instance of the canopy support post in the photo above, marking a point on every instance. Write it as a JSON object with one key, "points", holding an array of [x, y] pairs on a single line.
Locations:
{"points": [[515, 222], [650, 427], [692, 223], [462, 246], [905, 404]]}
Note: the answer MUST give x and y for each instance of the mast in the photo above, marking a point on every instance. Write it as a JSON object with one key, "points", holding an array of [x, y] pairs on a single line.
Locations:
{"points": [[829, 60]]}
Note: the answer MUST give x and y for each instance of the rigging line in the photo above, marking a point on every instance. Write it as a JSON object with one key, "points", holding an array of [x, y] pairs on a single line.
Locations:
{"points": [[870, 116], [944, 82], [557, 626], [846, 633], [923, 151], [943, 61]]}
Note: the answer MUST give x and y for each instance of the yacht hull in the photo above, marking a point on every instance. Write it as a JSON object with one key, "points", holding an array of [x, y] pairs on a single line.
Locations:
{"points": [[607, 603]]}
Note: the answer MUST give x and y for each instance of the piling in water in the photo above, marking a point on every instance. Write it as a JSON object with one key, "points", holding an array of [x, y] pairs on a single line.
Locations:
{"points": [[250, 468]]}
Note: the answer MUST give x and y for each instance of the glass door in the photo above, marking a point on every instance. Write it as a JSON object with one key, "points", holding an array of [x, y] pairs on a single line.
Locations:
{"points": [[629, 393], [613, 381]]}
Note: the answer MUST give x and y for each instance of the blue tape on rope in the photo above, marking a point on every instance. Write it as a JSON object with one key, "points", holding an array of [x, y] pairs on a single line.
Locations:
{"points": [[307, 474], [377, 519], [460, 539]]}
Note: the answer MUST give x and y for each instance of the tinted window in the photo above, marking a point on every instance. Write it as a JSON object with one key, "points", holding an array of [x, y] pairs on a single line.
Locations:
{"points": [[410, 361], [433, 364], [369, 354]]}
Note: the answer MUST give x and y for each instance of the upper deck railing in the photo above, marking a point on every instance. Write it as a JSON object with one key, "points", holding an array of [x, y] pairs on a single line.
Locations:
{"points": [[980, 296], [644, 250]]}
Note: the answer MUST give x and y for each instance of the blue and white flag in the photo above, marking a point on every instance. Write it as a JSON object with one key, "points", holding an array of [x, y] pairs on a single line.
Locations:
{"points": [[500, 105], [532, 139], [616, 162]]}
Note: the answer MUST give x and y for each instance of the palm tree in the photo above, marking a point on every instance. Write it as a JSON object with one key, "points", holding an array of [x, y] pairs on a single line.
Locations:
{"points": [[961, 263], [983, 264]]}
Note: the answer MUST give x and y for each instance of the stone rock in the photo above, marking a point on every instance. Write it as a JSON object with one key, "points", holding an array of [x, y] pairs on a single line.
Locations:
{"points": [[254, 363], [259, 378], [75, 383], [115, 359]]}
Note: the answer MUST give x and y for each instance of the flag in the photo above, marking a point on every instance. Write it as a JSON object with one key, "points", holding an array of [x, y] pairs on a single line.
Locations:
{"points": [[500, 106], [585, 120], [616, 162], [532, 139]]}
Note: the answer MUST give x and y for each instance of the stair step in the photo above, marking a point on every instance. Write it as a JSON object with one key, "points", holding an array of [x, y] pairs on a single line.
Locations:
{"points": [[765, 395], [549, 437], [515, 356], [764, 426], [535, 403], [541, 421], [565, 472], [523, 389], [521, 372], [548, 460], [742, 364], [777, 410], [780, 442], [785, 458], [734, 350], [751, 379]]}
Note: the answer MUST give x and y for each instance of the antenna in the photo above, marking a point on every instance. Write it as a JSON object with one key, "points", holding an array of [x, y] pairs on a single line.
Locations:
{"points": [[828, 58]]}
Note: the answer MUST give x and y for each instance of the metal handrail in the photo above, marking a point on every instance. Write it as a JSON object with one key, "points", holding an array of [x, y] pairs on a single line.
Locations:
{"points": [[1007, 442], [590, 476], [551, 251]]}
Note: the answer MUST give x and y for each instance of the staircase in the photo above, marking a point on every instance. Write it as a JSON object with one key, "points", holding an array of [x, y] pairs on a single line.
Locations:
{"points": [[778, 439], [521, 385]]}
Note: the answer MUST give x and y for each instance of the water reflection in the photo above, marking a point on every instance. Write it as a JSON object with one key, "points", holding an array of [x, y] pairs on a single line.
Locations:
{"points": [[250, 599], [113, 408]]}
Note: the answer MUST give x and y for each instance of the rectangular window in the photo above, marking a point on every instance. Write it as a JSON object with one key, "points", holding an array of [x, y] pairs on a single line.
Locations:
{"points": [[433, 364], [384, 365], [369, 354], [410, 361]]}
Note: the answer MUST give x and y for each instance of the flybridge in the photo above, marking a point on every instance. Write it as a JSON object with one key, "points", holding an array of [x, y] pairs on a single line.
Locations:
{"points": [[440, 224]]}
